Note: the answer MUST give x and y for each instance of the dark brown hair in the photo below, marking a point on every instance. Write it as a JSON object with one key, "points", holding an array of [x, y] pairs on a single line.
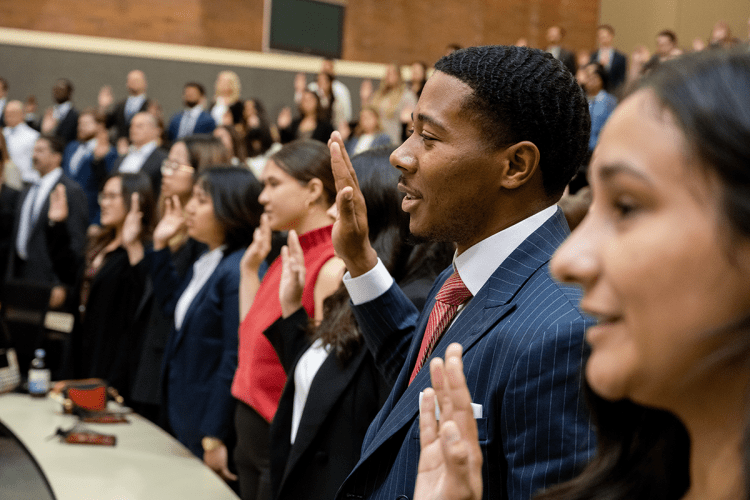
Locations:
{"points": [[307, 159]]}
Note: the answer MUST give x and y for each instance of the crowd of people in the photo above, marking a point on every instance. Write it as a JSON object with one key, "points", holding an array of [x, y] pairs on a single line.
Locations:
{"points": [[280, 298]]}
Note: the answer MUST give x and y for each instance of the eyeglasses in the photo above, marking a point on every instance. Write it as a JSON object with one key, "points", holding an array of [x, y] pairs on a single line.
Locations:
{"points": [[168, 167], [108, 197]]}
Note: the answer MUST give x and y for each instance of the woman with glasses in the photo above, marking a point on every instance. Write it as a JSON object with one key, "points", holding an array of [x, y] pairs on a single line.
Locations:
{"points": [[187, 158], [107, 334]]}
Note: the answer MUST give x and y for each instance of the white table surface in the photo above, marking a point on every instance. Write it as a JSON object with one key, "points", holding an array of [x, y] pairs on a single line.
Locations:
{"points": [[146, 463]]}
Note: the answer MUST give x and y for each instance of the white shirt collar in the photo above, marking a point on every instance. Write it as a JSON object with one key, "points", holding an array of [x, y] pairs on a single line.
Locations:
{"points": [[479, 262], [61, 110], [144, 150]]}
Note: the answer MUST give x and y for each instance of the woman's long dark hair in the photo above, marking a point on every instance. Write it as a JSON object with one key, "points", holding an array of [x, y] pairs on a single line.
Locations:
{"points": [[643, 452], [131, 183], [389, 236], [234, 193]]}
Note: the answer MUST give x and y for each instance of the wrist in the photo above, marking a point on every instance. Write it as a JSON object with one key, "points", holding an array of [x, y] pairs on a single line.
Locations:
{"points": [[160, 244], [363, 264], [210, 443]]}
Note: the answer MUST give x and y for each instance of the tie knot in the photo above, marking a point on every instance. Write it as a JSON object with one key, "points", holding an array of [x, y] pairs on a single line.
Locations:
{"points": [[453, 291]]}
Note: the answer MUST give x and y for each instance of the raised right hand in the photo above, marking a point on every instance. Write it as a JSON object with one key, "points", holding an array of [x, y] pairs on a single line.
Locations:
{"points": [[285, 118], [105, 98], [351, 235], [292, 282], [133, 225], [170, 224], [259, 249], [58, 204]]}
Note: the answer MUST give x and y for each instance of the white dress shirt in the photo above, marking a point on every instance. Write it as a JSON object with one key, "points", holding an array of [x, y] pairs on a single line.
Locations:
{"points": [[136, 157], [20, 141], [475, 265], [31, 208], [133, 105], [60, 111], [304, 373], [82, 151], [203, 268], [188, 121]]}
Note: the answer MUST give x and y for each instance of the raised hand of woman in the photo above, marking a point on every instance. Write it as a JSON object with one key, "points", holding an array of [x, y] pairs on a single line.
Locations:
{"points": [[58, 204], [132, 227], [450, 460], [170, 224], [292, 275], [259, 249]]}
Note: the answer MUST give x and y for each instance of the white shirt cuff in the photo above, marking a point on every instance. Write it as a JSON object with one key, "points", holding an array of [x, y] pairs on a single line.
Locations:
{"points": [[370, 285]]}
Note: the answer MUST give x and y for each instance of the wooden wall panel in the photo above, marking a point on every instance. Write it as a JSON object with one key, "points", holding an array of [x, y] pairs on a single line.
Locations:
{"points": [[374, 31]]}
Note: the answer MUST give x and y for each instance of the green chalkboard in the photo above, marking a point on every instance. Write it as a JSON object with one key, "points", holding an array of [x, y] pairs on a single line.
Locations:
{"points": [[307, 26]]}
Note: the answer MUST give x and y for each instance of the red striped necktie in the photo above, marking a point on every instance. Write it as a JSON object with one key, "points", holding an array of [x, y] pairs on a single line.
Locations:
{"points": [[452, 294]]}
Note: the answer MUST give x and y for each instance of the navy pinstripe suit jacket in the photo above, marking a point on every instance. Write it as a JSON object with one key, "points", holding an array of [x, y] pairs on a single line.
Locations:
{"points": [[523, 344]]}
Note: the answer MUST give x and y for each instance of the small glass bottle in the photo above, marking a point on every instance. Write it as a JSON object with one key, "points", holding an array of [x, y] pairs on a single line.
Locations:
{"points": [[38, 375]]}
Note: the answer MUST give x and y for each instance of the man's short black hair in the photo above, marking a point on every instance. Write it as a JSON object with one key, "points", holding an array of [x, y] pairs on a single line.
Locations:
{"points": [[56, 145], [198, 86], [669, 34], [601, 72], [523, 94]]}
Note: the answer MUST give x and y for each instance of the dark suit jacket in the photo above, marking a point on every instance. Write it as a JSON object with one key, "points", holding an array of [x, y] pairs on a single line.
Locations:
{"points": [[201, 357], [321, 133], [39, 267], [341, 403], [67, 129], [522, 336], [9, 204], [116, 118], [617, 70], [91, 174], [203, 125], [568, 59], [150, 167]]}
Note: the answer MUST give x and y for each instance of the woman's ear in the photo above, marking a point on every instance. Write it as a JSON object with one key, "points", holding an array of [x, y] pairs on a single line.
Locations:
{"points": [[315, 188]]}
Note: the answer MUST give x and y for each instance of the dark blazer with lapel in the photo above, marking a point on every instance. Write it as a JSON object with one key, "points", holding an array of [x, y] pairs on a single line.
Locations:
{"points": [[617, 69], [150, 167], [205, 124], [91, 174], [201, 357], [522, 336], [116, 118], [341, 403], [67, 129], [39, 266]]}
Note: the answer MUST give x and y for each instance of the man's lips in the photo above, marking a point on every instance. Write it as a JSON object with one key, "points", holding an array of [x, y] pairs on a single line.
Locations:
{"points": [[411, 194]]}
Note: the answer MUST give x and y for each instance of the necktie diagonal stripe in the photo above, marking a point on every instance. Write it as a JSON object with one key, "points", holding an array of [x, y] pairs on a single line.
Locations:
{"points": [[452, 294]]}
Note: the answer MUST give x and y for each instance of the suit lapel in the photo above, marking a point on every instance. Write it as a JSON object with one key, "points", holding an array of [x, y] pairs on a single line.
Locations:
{"points": [[318, 409], [493, 303]]}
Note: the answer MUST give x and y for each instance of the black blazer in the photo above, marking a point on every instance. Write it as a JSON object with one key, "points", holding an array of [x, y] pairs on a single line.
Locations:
{"points": [[67, 129], [341, 403], [39, 267], [617, 70], [568, 59], [150, 167], [9, 198], [321, 133], [116, 118]]}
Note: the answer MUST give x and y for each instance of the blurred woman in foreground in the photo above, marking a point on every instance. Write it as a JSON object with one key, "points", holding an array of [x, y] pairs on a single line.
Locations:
{"points": [[663, 257]]}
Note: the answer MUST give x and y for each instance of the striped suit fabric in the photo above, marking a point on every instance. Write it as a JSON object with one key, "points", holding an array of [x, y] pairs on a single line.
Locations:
{"points": [[522, 336]]}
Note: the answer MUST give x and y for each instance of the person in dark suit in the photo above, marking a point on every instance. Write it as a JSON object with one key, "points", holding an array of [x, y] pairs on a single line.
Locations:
{"points": [[90, 159], [613, 61], [3, 100], [9, 204], [348, 389], [144, 154], [555, 35], [484, 170], [107, 335], [193, 120], [61, 120], [201, 354], [120, 114], [31, 260]]}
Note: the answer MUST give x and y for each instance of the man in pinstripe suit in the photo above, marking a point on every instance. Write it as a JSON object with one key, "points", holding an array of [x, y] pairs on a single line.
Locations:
{"points": [[498, 133]]}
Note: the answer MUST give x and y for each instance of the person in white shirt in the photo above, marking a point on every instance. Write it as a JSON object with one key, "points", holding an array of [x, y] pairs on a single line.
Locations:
{"points": [[342, 99], [144, 154], [123, 112], [61, 119], [20, 139]]}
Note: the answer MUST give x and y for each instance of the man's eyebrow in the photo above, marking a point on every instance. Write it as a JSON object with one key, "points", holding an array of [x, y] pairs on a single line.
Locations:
{"points": [[432, 121]]}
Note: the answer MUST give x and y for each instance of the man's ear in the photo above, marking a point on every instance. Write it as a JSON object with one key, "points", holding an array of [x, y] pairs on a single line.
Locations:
{"points": [[520, 163]]}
